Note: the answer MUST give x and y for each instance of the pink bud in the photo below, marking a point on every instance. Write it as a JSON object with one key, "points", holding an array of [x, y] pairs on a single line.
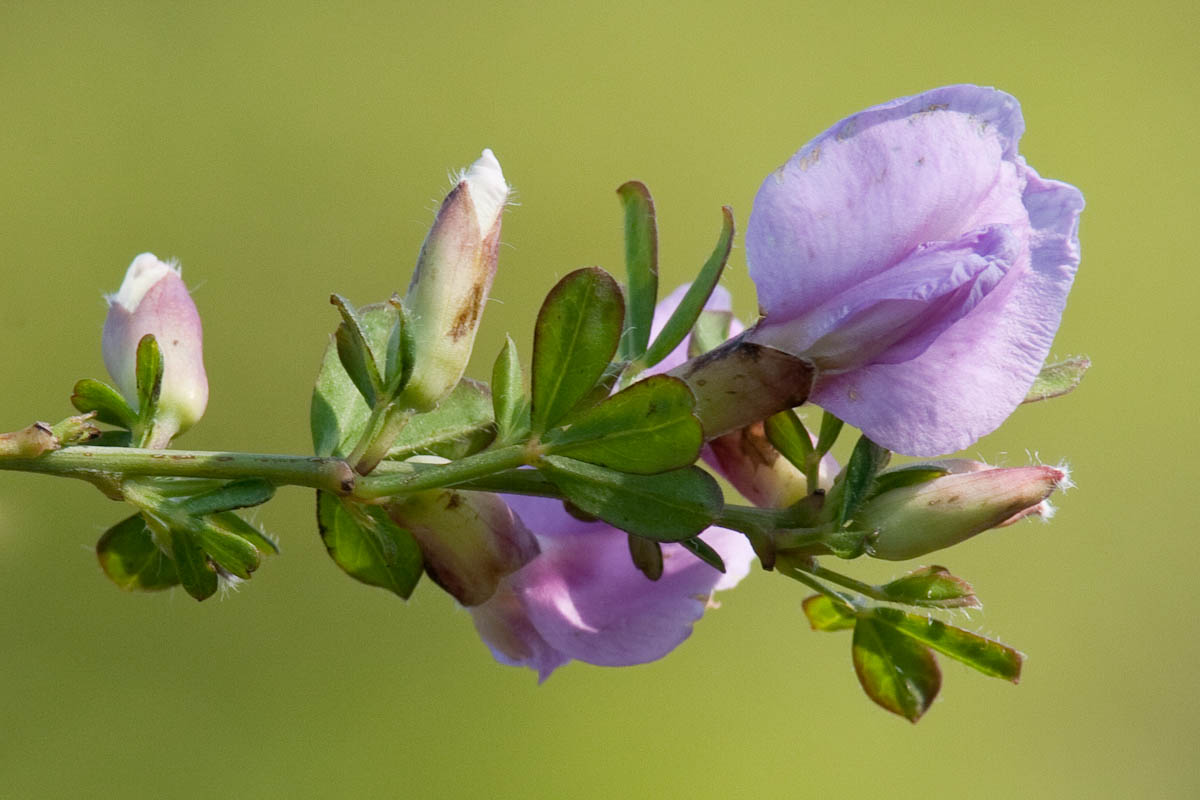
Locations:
{"points": [[154, 300], [451, 283], [914, 520], [759, 472]]}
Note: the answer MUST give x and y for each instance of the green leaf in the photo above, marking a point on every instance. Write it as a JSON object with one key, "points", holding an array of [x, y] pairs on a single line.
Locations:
{"points": [[931, 587], [234, 524], [647, 556], [710, 330], [149, 373], [865, 463], [339, 412], [986, 655], [574, 340], [896, 672], [641, 266], [787, 434], [825, 615], [196, 574], [354, 351], [667, 507], [369, 547], [831, 426], [131, 559], [110, 407], [509, 404], [1055, 380], [229, 551], [462, 424], [688, 311], [599, 392], [644, 429], [907, 475], [705, 552], [242, 493]]}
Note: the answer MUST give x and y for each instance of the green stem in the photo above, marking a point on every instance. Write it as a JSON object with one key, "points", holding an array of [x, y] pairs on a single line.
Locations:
{"points": [[395, 479], [383, 427], [103, 465], [846, 581], [798, 569]]}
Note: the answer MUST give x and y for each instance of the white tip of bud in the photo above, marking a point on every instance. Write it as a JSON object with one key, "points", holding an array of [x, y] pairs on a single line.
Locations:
{"points": [[145, 271], [489, 191]]}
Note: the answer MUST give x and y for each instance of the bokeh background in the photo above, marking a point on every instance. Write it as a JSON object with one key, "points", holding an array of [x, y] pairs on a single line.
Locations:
{"points": [[284, 151]]}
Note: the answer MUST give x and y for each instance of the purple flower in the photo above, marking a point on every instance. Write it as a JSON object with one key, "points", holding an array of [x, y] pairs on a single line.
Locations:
{"points": [[582, 598], [911, 254]]}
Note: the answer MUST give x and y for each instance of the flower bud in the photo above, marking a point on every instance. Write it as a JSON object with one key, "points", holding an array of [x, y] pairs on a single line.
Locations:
{"points": [[914, 520], [451, 283], [470, 540], [747, 459], [153, 299]]}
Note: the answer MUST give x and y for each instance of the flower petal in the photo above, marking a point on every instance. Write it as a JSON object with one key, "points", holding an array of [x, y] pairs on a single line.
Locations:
{"points": [[978, 370], [895, 315], [863, 195], [585, 598]]}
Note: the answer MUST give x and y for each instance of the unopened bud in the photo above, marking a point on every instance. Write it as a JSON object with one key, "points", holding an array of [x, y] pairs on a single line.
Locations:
{"points": [[914, 520], [747, 459], [451, 283], [154, 300], [470, 540]]}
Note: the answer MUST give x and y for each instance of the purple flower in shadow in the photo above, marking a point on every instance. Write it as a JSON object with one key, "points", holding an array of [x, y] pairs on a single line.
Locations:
{"points": [[582, 598]]}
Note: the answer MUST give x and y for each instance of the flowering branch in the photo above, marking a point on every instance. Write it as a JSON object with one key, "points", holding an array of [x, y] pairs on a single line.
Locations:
{"points": [[911, 270]]}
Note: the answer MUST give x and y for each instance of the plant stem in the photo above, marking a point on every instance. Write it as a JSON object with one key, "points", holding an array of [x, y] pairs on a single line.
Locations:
{"points": [[395, 479], [101, 465], [799, 569]]}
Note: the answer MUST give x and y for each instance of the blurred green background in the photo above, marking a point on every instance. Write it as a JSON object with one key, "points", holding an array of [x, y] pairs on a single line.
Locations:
{"points": [[282, 152]]}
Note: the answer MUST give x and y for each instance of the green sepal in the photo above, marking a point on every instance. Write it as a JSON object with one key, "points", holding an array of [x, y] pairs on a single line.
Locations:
{"points": [[1058, 379], [907, 475], [108, 404], [827, 434], [931, 587], [647, 556], [865, 462], [646, 428], [705, 552], [510, 406], [826, 615], [683, 319], [354, 352], [667, 507], [243, 493], [196, 574], [986, 655], [229, 551], [401, 350], [641, 266], [575, 338], [462, 424], [368, 546], [710, 330], [234, 524], [149, 375], [787, 434], [132, 560], [897, 673]]}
